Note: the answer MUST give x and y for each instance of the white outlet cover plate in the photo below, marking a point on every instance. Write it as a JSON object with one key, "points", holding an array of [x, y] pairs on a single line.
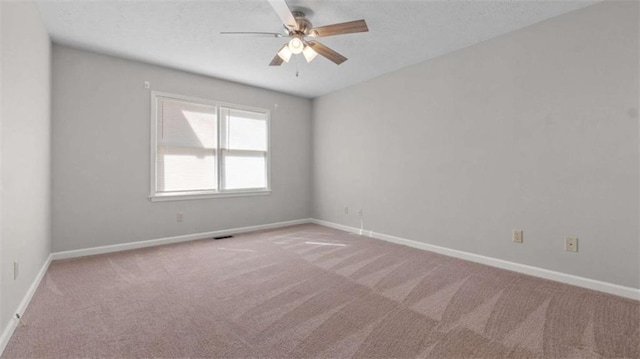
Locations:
{"points": [[571, 244], [518, 236]]}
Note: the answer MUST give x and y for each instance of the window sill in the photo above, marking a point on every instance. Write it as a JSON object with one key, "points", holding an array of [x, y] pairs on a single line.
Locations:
{"points": [[160, 197]]}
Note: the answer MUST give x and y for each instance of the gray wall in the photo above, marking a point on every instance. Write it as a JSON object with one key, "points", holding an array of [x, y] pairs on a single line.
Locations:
{"points": [[25, 224], [101, 154], [535, 130]]}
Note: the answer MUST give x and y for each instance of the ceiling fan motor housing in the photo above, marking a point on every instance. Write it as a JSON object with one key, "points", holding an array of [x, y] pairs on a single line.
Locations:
{"points": [[304, 25]]}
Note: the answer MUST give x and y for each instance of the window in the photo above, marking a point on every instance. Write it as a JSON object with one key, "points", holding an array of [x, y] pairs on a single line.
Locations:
{"points": [[202, 148]]}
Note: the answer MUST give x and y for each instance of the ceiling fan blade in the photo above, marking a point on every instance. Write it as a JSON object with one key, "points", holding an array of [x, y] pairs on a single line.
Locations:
{"points": [[282, 9], [327, 52], [265, 34], [277, 60], [340, 29]]}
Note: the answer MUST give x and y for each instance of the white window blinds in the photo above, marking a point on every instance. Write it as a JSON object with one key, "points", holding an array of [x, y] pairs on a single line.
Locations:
{"points": [[208, 148], [244, 149]]}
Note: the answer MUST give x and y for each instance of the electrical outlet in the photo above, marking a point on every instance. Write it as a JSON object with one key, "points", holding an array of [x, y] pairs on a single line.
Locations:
{"points": [[346, 209], [15, 270], [570, 244], [360, 212], [518, 236], [147, 85], [179, 217]]}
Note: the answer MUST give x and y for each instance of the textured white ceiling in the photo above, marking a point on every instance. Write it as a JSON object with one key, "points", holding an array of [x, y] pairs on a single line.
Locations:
{"points": [[185, 35]]}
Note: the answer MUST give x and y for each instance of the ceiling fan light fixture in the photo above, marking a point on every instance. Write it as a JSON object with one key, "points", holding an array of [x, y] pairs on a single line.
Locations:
{"points": [[285, 53], [309, 53], [296, 45]]}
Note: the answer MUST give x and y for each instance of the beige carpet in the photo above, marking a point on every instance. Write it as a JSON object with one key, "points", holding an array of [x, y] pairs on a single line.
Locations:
{"points": [[311, 291]]}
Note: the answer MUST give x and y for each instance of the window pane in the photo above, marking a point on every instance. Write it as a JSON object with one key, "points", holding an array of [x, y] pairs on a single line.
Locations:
{"points": [[186, 169], [191, 136], [244, 171], [246, 131], [187, 124]]}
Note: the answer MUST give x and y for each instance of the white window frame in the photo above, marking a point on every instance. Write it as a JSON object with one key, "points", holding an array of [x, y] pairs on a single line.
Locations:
{"points": [[154, 195]]}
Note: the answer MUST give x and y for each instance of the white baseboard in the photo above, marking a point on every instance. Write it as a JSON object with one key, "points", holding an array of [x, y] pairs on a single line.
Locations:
{"points": [[168, 240], [593, 284], [13, 322]]}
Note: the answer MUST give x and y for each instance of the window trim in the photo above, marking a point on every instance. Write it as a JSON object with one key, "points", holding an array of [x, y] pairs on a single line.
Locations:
{"points": [[155, 196]]}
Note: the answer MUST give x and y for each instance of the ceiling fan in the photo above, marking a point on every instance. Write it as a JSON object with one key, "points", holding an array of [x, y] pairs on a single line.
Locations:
{"points": [[298, 28]]}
